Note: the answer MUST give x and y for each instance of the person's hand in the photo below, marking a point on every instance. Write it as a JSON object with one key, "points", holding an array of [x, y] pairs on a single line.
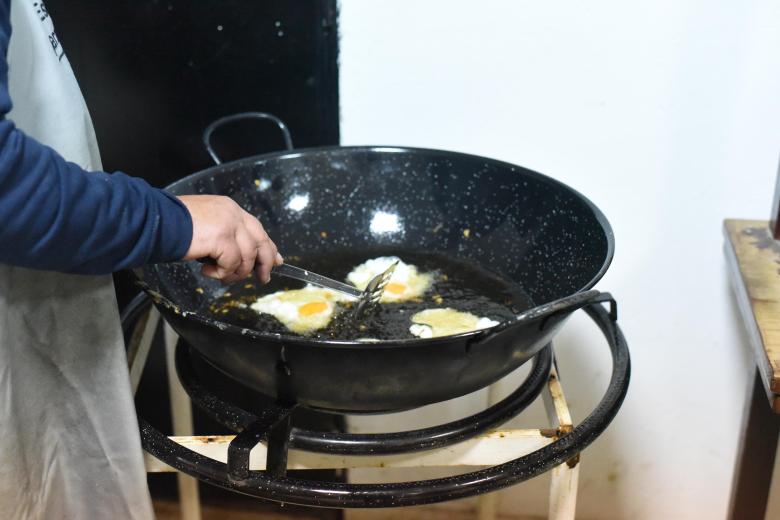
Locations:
{"points": [[232, 237]]}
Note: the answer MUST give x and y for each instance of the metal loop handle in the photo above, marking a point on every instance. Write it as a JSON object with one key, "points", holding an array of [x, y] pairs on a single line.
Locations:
{"points": [[542, 314], [238, 117]]}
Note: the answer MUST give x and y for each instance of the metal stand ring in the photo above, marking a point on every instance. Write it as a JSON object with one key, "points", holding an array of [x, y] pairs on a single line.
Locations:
{"points": [[341, 495]]}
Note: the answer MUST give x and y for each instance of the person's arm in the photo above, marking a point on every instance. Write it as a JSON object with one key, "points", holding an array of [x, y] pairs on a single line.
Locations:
{"points": [[56, 216]]}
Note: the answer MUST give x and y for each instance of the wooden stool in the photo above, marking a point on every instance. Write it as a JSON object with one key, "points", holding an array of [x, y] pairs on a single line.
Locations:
{"points": [[753, 259]]}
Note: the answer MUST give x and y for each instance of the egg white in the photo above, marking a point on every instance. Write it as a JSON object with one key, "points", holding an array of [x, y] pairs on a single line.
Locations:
{"points": [[433, 323], [286, 306], [405, 283]]}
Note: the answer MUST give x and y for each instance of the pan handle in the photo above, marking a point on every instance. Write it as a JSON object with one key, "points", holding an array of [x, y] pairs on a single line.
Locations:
{"points": [[546, 314], [238, 117]]}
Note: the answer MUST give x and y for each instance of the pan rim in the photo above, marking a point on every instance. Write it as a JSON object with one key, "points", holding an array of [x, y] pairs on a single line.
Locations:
{"points": [[407, 342]]}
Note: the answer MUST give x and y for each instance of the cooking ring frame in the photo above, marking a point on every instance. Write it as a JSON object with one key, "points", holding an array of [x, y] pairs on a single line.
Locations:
{"points": [[274, 425]]}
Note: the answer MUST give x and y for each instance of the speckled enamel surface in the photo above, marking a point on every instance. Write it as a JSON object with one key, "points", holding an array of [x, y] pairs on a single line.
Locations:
{"points": [[528, 228], [523, 225]]}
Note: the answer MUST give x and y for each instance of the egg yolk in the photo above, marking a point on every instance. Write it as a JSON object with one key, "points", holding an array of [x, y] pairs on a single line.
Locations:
{"points": [[395, 288], [312, 308]]}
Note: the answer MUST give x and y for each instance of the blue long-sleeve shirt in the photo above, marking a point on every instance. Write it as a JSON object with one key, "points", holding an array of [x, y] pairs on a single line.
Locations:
{"points": [[56, 216]]}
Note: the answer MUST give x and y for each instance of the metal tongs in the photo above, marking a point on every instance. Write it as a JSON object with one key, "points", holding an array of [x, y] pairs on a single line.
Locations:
{"points": [[366, 299]]}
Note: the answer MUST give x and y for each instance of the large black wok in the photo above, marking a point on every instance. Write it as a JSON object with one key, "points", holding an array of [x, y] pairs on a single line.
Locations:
{"points": [[523, 226]]}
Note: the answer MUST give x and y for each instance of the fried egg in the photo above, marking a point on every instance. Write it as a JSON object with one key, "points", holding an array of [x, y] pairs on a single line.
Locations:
{"points": [[302, 310], [405, 283], [432, 323]]}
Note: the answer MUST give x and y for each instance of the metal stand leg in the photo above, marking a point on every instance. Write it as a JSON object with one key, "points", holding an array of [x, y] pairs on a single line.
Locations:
{"points": [[181, 412], [756, 456]]}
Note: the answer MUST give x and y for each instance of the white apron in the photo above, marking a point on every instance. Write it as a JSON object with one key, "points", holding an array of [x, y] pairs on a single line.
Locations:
{"points": [[70, 443]]}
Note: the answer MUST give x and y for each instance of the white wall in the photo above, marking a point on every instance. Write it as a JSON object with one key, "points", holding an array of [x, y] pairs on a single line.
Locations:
{"points": [[667, 115]]}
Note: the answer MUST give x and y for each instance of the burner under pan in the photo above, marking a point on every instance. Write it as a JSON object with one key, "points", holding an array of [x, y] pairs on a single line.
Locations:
{"points": [[275, 425]]}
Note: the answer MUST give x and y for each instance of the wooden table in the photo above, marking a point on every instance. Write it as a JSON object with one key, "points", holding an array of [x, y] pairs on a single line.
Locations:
{"points": [[753, 259]]}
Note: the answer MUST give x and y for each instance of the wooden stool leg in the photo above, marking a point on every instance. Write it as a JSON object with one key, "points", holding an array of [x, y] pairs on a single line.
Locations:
{"points": [[565, 478], [756, 455], [563, 491], [181, 413], [487, 505]]}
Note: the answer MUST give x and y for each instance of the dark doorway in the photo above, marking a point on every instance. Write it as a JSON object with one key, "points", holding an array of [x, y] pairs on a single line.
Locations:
{"points": [[155, 73]]}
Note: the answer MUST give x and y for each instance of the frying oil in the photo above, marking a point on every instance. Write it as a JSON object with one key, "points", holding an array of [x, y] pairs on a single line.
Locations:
{"points": [[457, 284]]}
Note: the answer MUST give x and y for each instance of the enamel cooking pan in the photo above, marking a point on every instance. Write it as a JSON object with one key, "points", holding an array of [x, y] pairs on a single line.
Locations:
{"points": [[527, 228]]}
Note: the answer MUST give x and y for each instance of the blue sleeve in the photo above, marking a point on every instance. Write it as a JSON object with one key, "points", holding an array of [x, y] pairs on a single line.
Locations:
{"points": [[56, 216]]}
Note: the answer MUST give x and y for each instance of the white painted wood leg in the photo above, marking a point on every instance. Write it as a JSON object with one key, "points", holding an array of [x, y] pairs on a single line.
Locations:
{"points": [[564, 478], [139, 345], [487, 505], [563, 492], [181, 413]]}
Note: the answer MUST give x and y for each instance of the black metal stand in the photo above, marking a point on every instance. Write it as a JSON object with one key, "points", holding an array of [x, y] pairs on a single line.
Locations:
{"points": [[240, 420], [274, 426]]}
